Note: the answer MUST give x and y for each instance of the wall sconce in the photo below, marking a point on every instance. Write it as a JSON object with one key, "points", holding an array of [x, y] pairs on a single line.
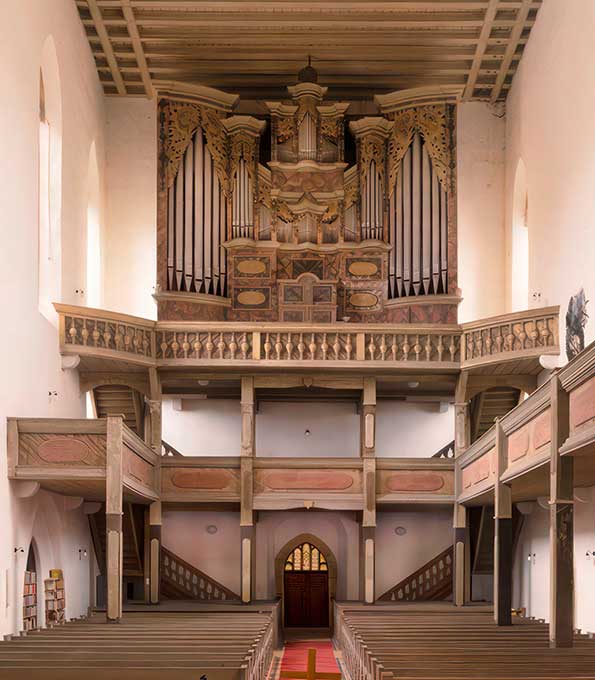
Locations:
{"points": [[531, 558], [82, 553], [307, 433], [17, 550]]}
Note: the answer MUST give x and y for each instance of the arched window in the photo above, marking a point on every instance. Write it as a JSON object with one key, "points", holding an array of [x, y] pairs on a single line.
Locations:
{"points": [[93, 290], [520, 241], [306, 557], [50, 181]]}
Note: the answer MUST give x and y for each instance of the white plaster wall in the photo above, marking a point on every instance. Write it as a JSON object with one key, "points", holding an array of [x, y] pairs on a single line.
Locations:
{"points": [[412, 430], [428, 534], [212, 428], [218, 555], [28, 342], [531, 576], [549, 124], [131, 174], [480, 211], [339, 530]]}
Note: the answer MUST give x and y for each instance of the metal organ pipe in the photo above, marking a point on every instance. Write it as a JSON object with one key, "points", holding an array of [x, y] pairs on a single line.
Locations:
{"points": [[196, 224], [418, 262]]}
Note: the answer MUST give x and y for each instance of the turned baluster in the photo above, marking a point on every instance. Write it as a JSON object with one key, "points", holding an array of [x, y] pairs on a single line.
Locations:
{"points": [[336, 346], [428, 347], [417, 348], [267, 347], [394, 348], [371, 348], [324, 347], [85, 332], [244, 346], [312, 347], [185, 346], [221, 346], [175, 345], [383, 347], [348, 347], [440, 348], [301, 347], [210, 346], [406, 347], [289, 347], [453, 347], [278, 347], [197, 346], [233, 346], [96, 334], [72, 332]]}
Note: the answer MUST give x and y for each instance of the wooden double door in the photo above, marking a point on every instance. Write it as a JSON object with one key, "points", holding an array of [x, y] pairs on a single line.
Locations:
{"points": [[306, 599]]}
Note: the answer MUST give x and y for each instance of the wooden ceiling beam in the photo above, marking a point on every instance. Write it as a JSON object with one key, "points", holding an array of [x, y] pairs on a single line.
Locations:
{"points": [[137, 47], [482, 44], [106, 45], [345, 6], [520, 23]]}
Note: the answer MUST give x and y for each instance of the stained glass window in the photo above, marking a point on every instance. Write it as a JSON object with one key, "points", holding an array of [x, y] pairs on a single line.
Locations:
{"points": [[306, 557]]}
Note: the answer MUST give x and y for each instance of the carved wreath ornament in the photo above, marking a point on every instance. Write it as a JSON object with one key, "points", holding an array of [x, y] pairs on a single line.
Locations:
{"points": [[432, 123]]}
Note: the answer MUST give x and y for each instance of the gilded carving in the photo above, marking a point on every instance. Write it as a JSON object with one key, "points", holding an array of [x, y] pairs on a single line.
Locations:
{"points": [[329, 128], [285, 129], [182, 120], [432, 123], [371, 148]]}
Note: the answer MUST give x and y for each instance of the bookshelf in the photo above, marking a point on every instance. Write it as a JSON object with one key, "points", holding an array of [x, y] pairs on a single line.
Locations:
{"points": [[55, 602], [30, 601]]}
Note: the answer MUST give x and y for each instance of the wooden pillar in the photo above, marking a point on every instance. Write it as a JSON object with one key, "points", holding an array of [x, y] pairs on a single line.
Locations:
{"points": [[561, 522], [113, 517], [502, 536], [462, 552], [154, 439], [368, 528], [154, 551], [368, 419], [247, 526]]}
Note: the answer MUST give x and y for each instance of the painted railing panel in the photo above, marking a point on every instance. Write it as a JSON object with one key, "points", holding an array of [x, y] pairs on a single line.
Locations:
{"points": [[92, 332]]}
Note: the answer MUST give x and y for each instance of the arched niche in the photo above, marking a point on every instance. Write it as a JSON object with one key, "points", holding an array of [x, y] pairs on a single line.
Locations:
{"points": [[520, 240], [331, 561]]}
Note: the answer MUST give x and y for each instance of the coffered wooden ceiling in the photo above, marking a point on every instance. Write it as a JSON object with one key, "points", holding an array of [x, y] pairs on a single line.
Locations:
{"points": [[360, 48]]}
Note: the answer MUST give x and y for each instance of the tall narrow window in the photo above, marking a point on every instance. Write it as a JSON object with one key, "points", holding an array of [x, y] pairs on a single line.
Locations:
{"points": [[520, 241], [93, 290], [49, 182]]}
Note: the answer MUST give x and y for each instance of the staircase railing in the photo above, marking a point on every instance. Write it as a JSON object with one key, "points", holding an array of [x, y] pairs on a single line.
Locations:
{"points": [[433, 581], [191, 582], [168, 451], [447, 451]]}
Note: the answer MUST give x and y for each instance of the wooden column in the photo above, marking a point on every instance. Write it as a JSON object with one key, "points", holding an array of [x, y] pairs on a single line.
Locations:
{"points": [[154, 551], [247, 527], [113, 517], [368, 419], [368, 528], [502, 536], [154, 440], [561, 522], [462, 552]]}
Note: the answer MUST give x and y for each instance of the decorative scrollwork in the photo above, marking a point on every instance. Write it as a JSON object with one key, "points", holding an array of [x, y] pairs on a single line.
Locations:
{"points": [[242, 147], [371, 148], [181, 122], [432, 123], [285, 129], [329, 128]]}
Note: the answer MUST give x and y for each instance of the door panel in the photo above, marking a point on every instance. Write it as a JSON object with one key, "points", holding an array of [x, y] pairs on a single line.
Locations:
{"points": [[306, 599]]}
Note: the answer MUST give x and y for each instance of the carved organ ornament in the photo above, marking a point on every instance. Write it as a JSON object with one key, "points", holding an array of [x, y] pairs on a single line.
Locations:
{"points": [[380, 230]]}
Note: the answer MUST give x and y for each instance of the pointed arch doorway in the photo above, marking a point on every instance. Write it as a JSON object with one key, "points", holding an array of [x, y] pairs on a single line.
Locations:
{"points": [[306, 572]]}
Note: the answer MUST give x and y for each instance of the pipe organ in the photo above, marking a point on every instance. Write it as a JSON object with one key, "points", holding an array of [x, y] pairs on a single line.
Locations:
{"points": [[301, 235]]}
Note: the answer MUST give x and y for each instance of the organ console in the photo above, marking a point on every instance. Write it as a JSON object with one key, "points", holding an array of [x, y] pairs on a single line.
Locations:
{"points": [[292, 232]]}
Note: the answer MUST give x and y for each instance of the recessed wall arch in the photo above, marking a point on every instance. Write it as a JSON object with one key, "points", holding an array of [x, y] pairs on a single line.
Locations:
{"points": [[49, 268], [331, 561]]}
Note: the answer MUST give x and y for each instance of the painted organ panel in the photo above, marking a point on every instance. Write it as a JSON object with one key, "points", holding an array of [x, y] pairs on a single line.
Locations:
{"points": [[237, 230]]}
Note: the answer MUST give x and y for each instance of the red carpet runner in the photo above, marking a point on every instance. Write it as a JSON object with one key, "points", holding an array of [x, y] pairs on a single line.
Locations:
{"points": [[295, 656]]}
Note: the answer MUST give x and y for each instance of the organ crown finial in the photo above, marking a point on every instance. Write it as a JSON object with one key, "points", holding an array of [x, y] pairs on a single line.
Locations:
{"points": [[308, 74]]}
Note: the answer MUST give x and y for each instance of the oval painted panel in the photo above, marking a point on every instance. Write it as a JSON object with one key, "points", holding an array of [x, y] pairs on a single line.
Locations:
{"points": [[363, 300], [251, 267], [363, 268], [251, 298], [63, 450], [200, 479], [307, 480], [415, 481]]}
